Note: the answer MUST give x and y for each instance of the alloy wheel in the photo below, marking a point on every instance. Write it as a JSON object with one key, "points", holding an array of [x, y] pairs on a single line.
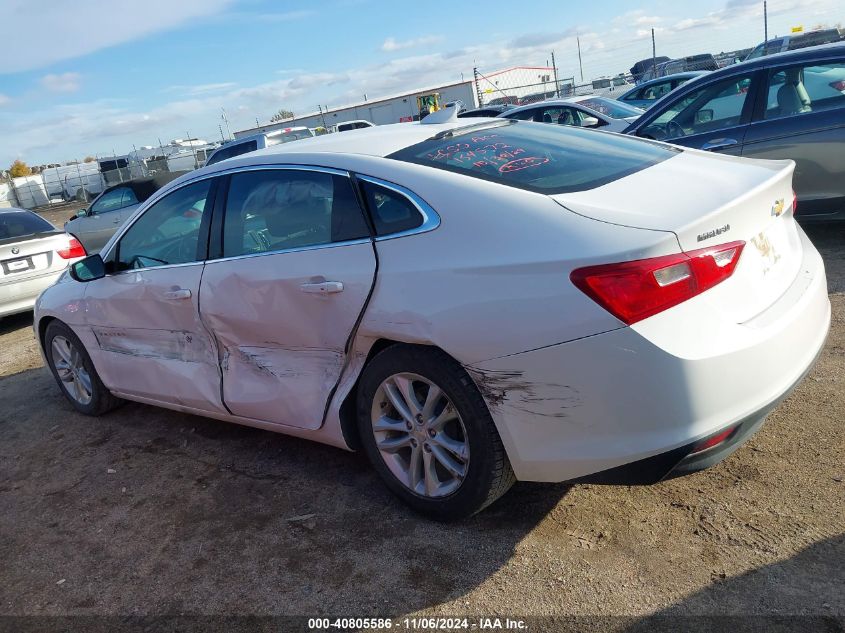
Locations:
{"points": [[420, 435], [71, 371]]}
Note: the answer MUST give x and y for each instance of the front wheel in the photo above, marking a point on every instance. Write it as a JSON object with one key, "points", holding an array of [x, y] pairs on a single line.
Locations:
{"points": [[427, 431], [73, 370]]}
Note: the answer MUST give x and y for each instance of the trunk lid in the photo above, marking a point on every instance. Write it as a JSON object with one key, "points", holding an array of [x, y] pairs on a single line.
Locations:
{"points": [[708, 200], [31, 256]]}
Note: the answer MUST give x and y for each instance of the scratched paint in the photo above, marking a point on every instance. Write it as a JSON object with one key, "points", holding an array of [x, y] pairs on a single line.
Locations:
{"points": [[257, 379], [150, 343], [508, 389]]}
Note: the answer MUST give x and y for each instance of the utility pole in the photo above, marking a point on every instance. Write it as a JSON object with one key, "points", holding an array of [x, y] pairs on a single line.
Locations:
{"points": [[226, 121], [477, 86], [580, 66], [653, 51], [765, 24], [222, 138], [554, 70], [322, 116]]}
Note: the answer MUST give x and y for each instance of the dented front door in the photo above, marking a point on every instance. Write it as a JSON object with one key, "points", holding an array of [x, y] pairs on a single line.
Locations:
{"points": [[145, 315], [151, 341], [296, 269]]}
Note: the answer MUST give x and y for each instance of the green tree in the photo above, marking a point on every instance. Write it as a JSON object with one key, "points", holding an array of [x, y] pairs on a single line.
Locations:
{"points": [[281, 115], [19, 168]]}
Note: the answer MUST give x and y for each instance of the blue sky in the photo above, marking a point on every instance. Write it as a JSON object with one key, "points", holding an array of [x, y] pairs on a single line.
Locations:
{"points": [[92, 76]]}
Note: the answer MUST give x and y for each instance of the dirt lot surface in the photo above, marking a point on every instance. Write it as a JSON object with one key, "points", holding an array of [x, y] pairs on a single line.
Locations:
{"points": [[147, 511]]}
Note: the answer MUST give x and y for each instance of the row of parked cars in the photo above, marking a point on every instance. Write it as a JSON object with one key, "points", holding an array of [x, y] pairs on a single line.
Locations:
{"points": [[474, 301]]}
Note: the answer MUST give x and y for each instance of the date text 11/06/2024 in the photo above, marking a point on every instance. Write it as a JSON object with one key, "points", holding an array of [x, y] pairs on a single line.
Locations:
{"points": [[418, 624]]}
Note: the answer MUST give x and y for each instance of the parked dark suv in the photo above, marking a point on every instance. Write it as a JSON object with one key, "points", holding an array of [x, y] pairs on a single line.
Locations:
{"points": [[787, 105]]}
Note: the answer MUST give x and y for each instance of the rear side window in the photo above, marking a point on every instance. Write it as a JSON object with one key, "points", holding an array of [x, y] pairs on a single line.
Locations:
{"points": [[19, 224], [232, 151], [547, 159], [391, 211], [805, 89], [282, 209]]}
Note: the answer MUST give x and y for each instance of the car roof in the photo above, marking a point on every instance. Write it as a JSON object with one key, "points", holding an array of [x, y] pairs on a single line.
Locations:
{"points": [[799, 54], [682, 75], [380, 140]]}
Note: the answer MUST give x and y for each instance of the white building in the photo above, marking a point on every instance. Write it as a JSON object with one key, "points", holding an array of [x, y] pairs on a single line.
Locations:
{"points": [[393, 109]]}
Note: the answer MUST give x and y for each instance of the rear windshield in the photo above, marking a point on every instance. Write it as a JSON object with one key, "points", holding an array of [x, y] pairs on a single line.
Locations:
{"points": [[610, 107], [539, 157], [19, 224]]}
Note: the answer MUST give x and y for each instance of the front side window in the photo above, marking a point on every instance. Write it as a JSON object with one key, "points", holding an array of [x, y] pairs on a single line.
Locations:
{"points": [[712, 107], [167, 232], [281, 209], [114, 200], [805, 89]]}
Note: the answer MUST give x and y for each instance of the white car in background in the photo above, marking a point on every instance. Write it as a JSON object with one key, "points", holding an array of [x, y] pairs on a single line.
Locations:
{"points": [[259, 141], [33, 254], [587, 111], [346, 126], [470, 302]]}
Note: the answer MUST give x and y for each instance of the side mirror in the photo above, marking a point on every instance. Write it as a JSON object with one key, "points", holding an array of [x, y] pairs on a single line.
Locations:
{"points": [[703, 116], [589, 121], [88, 269], [81, 214]]}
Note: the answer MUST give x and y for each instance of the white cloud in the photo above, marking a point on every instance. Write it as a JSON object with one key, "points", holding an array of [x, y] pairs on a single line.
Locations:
{"points": [[65, 30], [201, 88], [60, 132], [65, 82], [391, 44], [4, 99]]}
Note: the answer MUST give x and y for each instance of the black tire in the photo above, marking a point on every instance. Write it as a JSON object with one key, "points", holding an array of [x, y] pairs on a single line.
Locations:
{"points": [[489, 474], [102, 400]]}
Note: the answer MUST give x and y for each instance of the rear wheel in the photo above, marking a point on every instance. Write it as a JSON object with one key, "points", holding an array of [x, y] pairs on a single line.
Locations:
{"points": [[73, 370], [427, 431]]}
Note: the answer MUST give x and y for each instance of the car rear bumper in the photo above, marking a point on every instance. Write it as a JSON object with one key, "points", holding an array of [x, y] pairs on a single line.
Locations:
{"points": [[623, 398], [20, 297]]}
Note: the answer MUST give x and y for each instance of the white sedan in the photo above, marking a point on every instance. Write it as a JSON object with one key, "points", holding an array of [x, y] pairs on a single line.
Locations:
{"points": [[588, 111], [470, 302]]}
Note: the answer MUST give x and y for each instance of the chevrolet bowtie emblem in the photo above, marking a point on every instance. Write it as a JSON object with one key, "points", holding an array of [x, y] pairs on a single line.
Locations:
{"points": [[777, 207]]}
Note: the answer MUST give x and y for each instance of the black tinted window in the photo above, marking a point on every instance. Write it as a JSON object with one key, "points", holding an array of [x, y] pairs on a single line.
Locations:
{"points": [[281, 209], [544, 158], [232, 151], [392, 212], [14, 224]]}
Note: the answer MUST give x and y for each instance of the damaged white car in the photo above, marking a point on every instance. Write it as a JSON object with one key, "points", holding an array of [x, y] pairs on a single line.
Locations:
{"points": [[471, 302]]}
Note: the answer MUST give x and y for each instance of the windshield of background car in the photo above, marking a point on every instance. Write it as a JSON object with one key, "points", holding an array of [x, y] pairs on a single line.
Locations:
{"points": [[16, 224], [294, 135], [610, 107], [543, 158]]}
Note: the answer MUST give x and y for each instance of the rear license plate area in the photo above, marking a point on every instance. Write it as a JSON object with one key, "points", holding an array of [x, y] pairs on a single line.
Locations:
{"points": [[20, 265]]}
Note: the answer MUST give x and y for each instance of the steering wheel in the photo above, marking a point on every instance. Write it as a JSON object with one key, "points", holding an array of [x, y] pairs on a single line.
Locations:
{"points": [[674, 129]]}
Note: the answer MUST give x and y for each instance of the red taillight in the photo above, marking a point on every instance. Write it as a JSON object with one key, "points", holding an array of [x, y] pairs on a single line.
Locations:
{"points": [[713, 440], [838, 85], [794, 203], [633, 291], [74, 249]]}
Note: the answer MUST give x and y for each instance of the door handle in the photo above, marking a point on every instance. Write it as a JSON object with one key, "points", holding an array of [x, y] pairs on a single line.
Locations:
{"points": [[323, 288], [179, 293], [718, 143]]}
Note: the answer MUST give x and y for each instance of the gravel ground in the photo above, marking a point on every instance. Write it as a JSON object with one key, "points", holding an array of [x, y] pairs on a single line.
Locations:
{"points": [[151, 512]]}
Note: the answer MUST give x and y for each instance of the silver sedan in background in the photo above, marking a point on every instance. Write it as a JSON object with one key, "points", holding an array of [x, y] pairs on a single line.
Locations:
{"points": [[587, 111], [33, 253]]}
